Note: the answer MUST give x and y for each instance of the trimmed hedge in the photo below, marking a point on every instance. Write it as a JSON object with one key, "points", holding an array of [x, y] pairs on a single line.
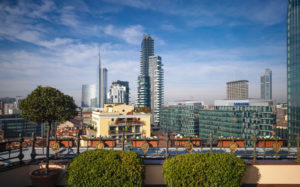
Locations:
{"points": [[102, 167], [204, 169]]}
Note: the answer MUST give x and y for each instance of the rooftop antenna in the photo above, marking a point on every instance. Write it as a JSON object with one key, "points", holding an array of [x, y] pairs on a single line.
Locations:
{"points": [[99, 61]]}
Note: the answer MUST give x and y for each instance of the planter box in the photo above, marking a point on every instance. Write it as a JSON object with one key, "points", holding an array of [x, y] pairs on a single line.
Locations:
{"points": [[181, 142], [63, 143], [138, 143], [107, 143], [226, 143], [268, 143]]}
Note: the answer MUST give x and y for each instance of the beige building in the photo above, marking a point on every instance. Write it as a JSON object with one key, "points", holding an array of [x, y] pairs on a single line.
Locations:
{"points": [[237, 89], [117, 119]]}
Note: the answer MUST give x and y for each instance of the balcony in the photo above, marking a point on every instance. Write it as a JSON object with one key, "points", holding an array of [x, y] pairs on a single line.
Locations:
{"points": [[278, 164]]}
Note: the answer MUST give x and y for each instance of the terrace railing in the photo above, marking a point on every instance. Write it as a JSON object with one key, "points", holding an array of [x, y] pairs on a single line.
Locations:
{"points": [[29, 150]]}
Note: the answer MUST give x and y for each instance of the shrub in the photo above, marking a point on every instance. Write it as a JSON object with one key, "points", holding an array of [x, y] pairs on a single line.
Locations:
{"points": [[106, 168], [204, 169]]}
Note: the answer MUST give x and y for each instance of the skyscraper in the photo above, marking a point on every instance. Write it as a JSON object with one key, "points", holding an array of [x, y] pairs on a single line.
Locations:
{"points": [[156, 75], [266, 85], [237, 89], [101, 84], [143, 95], [293, 67], [119, 92], [88, 97]]}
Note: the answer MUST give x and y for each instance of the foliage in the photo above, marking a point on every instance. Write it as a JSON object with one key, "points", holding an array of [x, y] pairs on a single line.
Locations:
{"points": [[204, 169], [47, 104], [102, 167]]}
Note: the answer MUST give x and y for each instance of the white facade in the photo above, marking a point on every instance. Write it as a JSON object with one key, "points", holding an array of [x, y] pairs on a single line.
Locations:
{"points": [[156, 75], [243, 102], [117, 94]]}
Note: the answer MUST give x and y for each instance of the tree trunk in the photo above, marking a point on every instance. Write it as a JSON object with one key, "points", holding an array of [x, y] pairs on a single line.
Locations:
{"points": [[47, 153]]}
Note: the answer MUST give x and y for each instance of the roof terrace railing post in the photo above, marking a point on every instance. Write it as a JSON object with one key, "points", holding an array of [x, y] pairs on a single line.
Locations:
{"points": [[254, 148], [21, 155], [167, 146], [298, 148], [123, 140], [78, 142], [33, 153], [210, 141]]}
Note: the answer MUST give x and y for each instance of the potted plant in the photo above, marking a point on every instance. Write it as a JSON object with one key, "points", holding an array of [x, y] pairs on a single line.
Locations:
{"points": [[47, 105], [103, 167], [153, 142], [180, 141], [268, 141], [204, 169], [225, 142]]}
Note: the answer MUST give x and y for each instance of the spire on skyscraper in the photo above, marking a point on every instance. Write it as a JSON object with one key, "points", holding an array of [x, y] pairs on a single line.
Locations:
{"points": [[99, 61]]}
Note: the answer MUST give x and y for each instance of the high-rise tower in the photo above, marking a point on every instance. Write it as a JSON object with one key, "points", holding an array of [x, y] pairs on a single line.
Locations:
{"points": [[143, 95], [266, 85], [101, 84], [156, 75], [293, 67]]}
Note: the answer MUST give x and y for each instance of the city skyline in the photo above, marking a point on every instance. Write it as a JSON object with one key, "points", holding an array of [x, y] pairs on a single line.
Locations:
{"points": [[204, 45]]}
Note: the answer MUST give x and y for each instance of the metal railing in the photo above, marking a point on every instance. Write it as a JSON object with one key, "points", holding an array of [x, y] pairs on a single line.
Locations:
{"points": [[162, 148]]}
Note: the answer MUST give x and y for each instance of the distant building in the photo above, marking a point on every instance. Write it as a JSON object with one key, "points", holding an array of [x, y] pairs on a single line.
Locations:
{"points": [[101, 89], [238, 118], [147, 50], [119, 92], [266, 85], [293, 68], [117, 119], [87, 118], [89, 97], [1, 107], [156, 75], [181, 117], [237, 89], [13, 125]]}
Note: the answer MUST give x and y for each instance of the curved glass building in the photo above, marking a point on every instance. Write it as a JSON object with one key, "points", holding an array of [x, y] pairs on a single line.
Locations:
{"points": [[89, 98], [293, 67]]}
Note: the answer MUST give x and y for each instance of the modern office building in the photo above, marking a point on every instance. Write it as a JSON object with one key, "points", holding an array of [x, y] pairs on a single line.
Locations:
{"points": [[182, 117], [88, 96], [101, 90], [117, 119], [13, 125], [293, 67], [266, 85], [237, 89], [147, 50], [119, 92], [156, 75], [238, 118]]}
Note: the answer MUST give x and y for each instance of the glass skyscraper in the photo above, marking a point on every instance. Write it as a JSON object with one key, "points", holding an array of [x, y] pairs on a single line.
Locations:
{"points": [[89, 98], [156, 75], [101, 84], [293, 67], [266, 85], [143, 95]]}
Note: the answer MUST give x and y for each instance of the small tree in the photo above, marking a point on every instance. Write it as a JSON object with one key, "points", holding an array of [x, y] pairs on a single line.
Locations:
{"points": [[47, 105]]}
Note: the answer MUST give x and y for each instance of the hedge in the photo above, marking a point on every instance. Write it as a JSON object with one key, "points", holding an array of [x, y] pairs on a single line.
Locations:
{"points": [[106, 168], [204, 169]]}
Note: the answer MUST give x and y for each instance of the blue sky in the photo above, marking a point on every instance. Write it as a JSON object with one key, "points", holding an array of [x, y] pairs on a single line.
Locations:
{"points": [[203, 44]]}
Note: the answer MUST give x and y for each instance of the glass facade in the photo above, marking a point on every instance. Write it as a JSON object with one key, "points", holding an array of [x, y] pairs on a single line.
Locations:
{"points": [[180, 119], [266, 85], [237, 121], [89, 98], [293, 67], [147, 49], [13, 125], [156, 75]]}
